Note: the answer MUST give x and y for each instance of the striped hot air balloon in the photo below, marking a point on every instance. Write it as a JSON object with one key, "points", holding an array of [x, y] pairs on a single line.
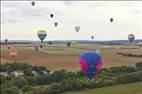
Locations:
{"points": [[90, 63], [42, 34]]}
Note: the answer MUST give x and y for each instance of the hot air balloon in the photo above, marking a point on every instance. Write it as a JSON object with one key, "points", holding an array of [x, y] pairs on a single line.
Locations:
{"points": [[50, 43], [32, 3], [13, 53], [68, 44], [41, 46], [36, 48], [77, 28], [6, 40], [111, 19], [55, 24], [90, 63], [42, 34], [51, 15], [8, 47], [131, 37], [92, 37]]}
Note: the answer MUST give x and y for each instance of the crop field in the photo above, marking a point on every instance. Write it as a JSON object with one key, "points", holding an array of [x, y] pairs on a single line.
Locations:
{"points": [[58, 57]]}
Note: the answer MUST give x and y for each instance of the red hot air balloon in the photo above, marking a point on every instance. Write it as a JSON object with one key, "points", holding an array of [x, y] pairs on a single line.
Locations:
{"points": [[13, 53]]}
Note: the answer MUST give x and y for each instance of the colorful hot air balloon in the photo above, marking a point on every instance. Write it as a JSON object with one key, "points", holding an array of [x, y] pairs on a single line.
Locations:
{"points": [[32, 3], [77, 28], [131, 37], [55, 24], [90, 63], [51, 15], [13, 53], [111, 19], [42, 34]]}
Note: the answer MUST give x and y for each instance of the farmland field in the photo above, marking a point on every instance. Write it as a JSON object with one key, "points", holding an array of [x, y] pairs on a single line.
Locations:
{"points": [[58, 57], [133, 88]]}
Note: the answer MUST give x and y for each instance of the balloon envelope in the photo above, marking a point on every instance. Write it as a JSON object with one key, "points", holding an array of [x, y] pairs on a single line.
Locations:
{"points": [[8, 47], [51, 15], [36, 48], [41, 46], [42, 35], [131, 37], [77, 28], [13, 53], [92, 37], [55, 24], [68, 44], [111, 19], [90, 63], [33, 3], [6, 40]]}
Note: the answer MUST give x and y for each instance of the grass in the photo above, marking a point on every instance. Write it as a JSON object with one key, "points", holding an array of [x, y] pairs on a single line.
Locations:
{"points": [[132, 88]]}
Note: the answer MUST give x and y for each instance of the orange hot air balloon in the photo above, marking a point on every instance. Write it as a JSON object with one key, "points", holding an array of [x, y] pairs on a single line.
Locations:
{"points": [[13, 53]]}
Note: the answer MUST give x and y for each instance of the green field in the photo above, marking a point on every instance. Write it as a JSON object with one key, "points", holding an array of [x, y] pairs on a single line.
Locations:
{"points": [[133, 88]]}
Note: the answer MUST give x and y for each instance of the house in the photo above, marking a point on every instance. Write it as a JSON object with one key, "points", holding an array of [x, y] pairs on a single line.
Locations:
{"points": [[44, 72], [5, 74], [18, 73], [51, 72], [34, 72]]}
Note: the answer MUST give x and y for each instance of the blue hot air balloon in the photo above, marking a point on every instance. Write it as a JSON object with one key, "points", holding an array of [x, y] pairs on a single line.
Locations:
{"points": [[90, 63]]}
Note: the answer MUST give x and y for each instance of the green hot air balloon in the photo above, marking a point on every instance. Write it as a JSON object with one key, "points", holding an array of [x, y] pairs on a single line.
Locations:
{"points": [[42, 34]]}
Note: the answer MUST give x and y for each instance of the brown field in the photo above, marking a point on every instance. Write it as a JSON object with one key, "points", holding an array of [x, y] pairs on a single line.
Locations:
{"points": [[61, 57]]}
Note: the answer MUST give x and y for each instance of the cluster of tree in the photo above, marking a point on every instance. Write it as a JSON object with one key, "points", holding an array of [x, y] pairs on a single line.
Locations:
{"points": [[62, 81], [10, 67], [130, 55]]}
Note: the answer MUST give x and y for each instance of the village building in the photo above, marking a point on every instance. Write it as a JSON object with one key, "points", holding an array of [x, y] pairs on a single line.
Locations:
{"points": [[18, 73], [5, 74]]}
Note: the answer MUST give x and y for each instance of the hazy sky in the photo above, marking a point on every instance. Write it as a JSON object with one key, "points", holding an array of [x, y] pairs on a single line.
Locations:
{"points": [[21, 20]]}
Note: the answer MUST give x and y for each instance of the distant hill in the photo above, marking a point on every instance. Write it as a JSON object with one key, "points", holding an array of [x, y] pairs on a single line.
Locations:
{"points": [[112, 42]]}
